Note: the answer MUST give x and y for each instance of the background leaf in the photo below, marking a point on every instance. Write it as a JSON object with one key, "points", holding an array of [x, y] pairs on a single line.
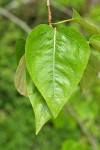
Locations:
{"points": [[91, 28], [20, 48], [76, 14], [20, 77], [41, 110], [95, 42], [56, 61], [90, 74]]}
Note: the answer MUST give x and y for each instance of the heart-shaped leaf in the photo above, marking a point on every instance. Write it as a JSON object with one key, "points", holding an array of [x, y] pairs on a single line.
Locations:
{"points": [[56, 60], [20, 77], [95, 42], [41, 110], [20, 48], [90, 27]]}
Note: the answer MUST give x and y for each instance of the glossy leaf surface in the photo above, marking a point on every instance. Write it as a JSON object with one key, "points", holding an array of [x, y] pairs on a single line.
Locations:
{"points": [[41, 110], [91, 28], [56, 60], [20, 48], [20, 77], [95, 42]]}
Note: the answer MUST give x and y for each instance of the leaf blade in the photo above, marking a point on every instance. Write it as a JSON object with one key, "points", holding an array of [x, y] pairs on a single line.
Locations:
{"points": [[90, 27], [95, 42], [41, 110], [90, 74], [20, 77], [49, 63]]}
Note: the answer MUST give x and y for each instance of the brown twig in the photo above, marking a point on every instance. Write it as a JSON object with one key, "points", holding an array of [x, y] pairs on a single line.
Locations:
{"points": [[49, 12], [74, 114]]}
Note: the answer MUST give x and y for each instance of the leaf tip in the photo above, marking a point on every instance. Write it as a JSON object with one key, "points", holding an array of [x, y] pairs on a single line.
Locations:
{"points": [[76, 15], [54, 114], [38, 128], [36, 133]]}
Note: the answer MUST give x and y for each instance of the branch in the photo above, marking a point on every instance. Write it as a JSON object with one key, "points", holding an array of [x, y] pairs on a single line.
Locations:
{"points": [[49, 12], [74, 114], [94, 2], [14, 19]]}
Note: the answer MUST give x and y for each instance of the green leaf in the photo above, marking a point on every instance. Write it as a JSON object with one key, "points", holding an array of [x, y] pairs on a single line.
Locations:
{"points": [[20, 77], [41, 110], [90, 74], [56, 60], [20, 48], [76, 15], [91, 28], [95, 42]]}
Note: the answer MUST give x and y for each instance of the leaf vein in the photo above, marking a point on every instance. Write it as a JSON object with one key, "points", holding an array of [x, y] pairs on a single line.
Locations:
{"points": [[54, 63]]}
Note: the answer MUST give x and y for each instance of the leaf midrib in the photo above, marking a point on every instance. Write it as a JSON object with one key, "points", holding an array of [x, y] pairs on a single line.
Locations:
{"points": [[54, 48]]}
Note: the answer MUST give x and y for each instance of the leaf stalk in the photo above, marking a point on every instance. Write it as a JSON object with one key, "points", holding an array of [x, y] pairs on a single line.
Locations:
{"points": [[63, 21]]}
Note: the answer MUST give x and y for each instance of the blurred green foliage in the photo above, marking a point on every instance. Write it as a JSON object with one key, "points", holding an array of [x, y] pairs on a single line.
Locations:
{"points": [[73, 4], [16, 114]]}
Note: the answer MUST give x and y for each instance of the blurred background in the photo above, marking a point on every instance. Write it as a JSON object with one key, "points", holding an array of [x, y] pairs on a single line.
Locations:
{"points": [[78, 125]]}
